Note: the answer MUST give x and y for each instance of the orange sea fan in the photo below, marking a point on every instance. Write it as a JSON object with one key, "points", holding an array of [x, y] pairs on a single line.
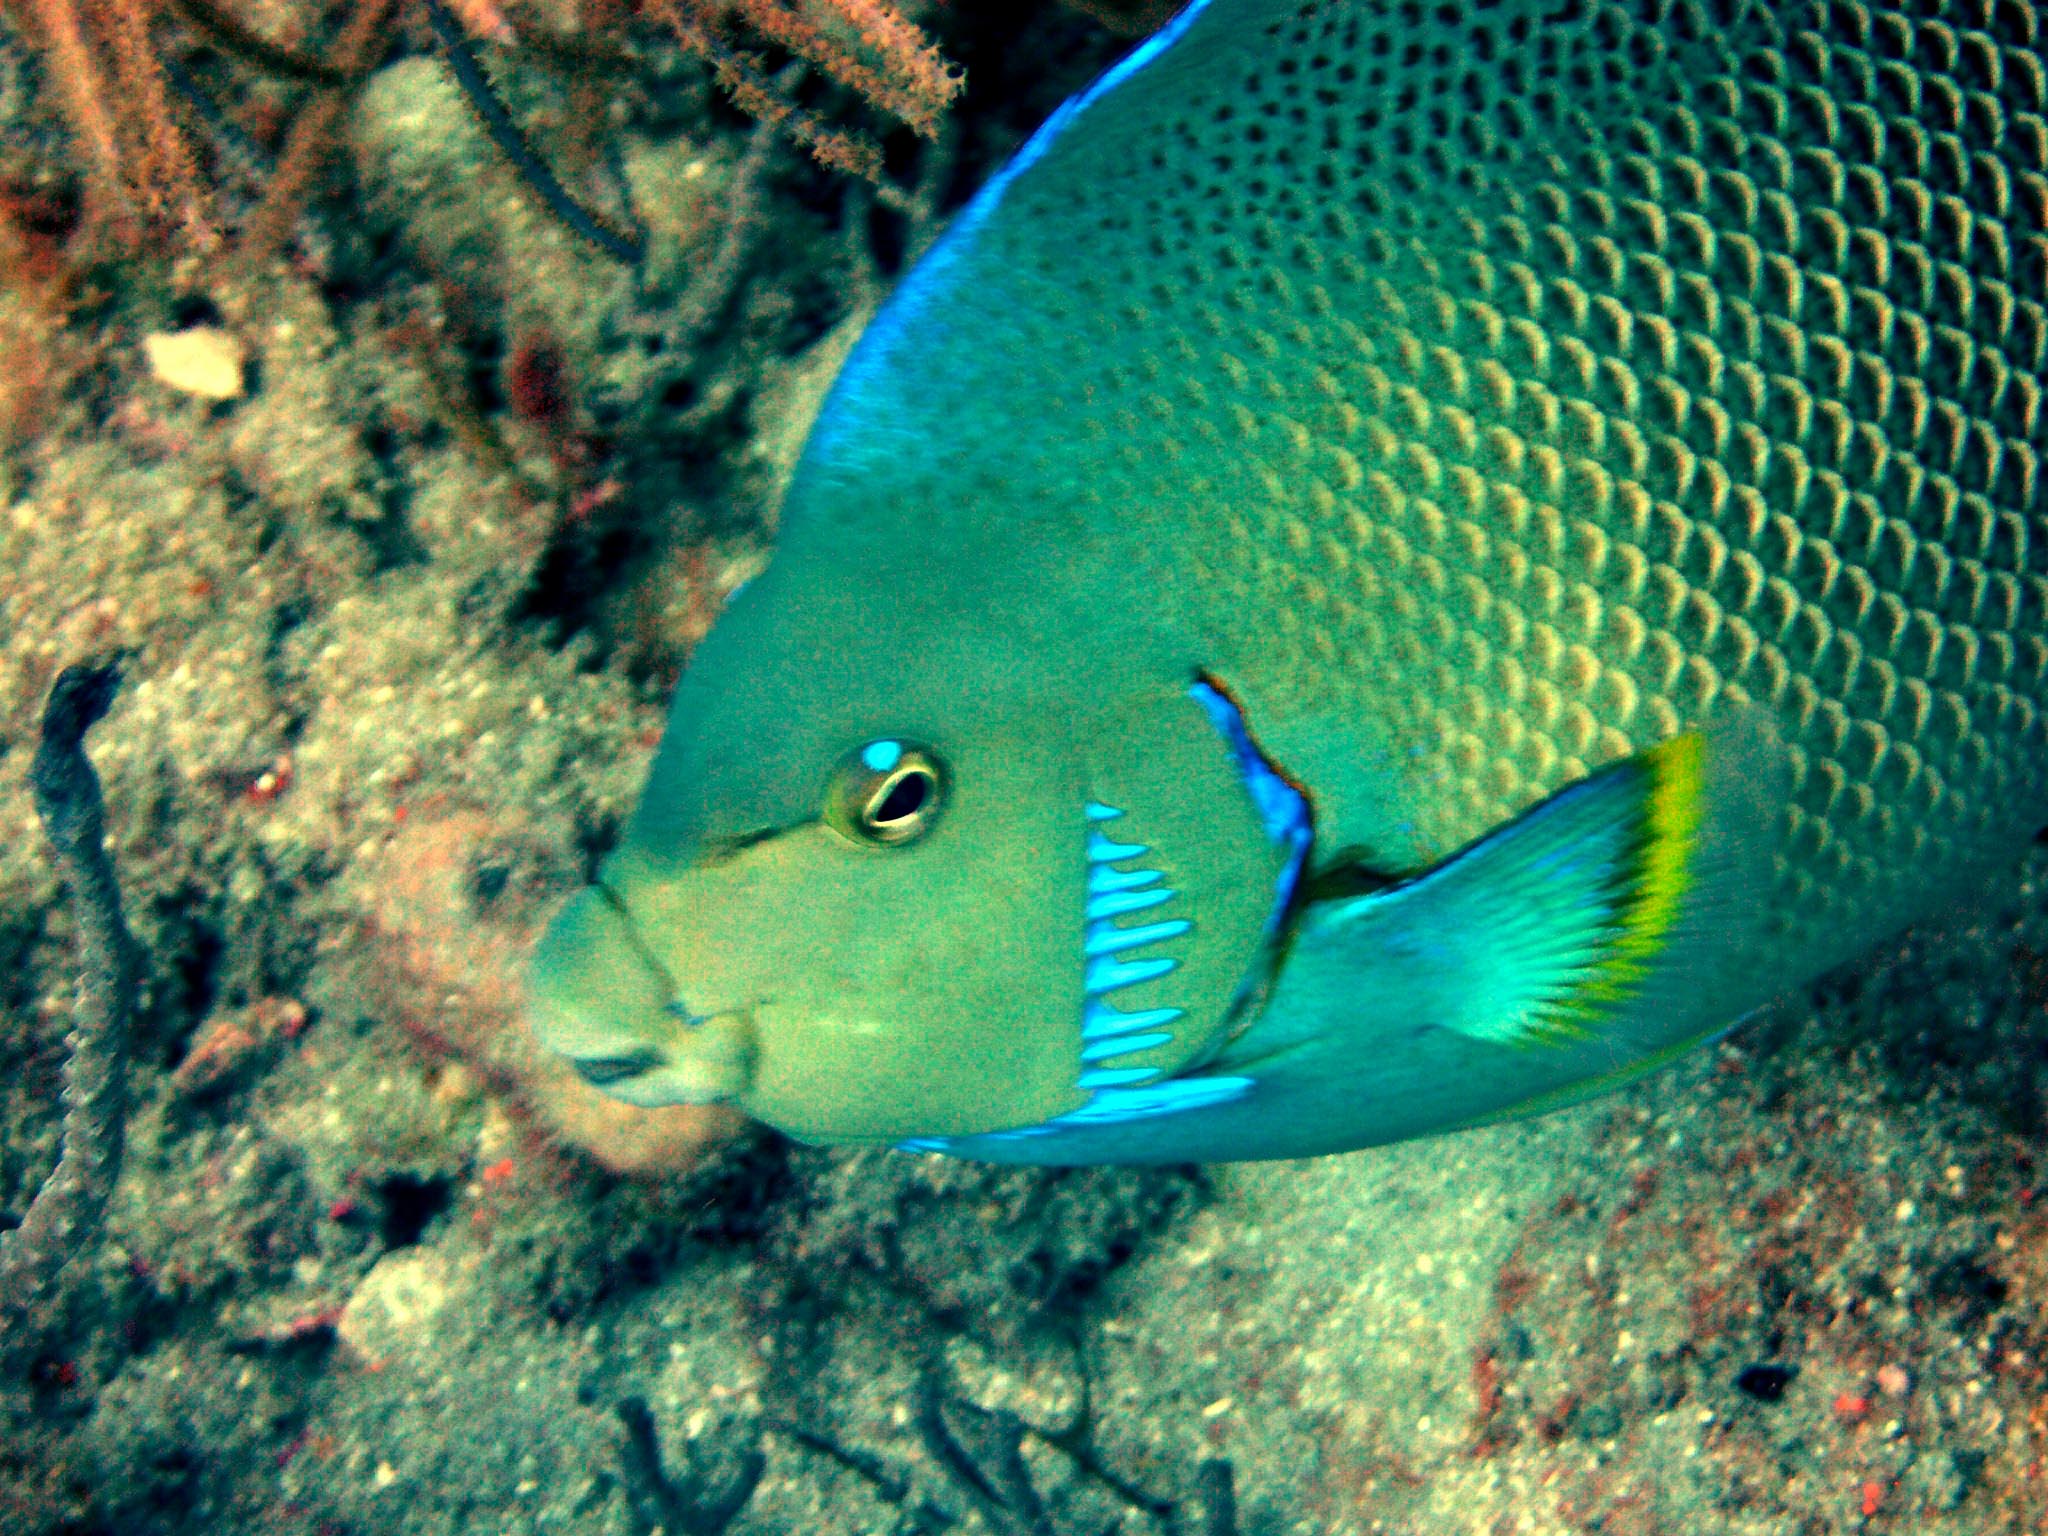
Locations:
{"points": [[863, 44], [867, 47], [142, 173], [164, 173], [78, 64], [114, 66]]}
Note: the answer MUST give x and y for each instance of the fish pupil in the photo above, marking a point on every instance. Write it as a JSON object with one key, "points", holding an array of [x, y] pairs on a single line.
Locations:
{"points": [[903, 799], [886, 806]]}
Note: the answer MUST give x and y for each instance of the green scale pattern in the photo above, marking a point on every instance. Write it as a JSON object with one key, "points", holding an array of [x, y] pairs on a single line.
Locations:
{"points": [[1547, 377]]}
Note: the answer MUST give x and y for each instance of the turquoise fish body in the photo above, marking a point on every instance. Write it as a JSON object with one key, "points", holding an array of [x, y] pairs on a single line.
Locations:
{"points": [[1394, 568]]}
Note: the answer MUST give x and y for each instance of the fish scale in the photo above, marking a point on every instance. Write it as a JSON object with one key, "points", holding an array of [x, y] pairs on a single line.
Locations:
{"points": [[1575, 387]]}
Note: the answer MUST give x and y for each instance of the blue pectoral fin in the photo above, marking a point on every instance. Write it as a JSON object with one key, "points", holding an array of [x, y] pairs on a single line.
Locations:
{"points": [[1592, 938]]}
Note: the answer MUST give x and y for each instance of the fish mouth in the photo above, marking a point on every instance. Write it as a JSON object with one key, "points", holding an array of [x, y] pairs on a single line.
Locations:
{"points": [[610, 1073], [598, 998]]}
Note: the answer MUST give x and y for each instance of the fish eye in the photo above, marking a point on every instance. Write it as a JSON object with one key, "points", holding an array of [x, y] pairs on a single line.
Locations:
{"points": [[886, 794]]}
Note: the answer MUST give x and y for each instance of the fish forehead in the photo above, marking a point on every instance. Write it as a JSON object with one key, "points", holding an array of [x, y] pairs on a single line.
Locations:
{"points": [[810, 663], [1490, 399]]}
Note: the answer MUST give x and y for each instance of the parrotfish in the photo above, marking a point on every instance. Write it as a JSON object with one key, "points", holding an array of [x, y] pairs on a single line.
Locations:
{"points": [[1398, 566]]}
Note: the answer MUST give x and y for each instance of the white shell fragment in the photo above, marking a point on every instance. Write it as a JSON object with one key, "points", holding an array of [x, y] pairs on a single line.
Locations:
{"points": [[204, 361]]}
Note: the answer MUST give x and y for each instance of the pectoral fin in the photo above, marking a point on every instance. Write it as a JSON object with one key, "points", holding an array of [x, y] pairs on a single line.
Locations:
{"points": [[1549, 930]]}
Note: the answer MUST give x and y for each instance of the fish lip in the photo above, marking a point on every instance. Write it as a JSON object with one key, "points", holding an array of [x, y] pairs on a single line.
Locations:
{"points": [[714, 1065], [613, 1018], [604, 1073]]}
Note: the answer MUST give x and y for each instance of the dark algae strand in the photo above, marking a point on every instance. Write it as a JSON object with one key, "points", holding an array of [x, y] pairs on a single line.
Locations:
{"points": [[64, 1216]]}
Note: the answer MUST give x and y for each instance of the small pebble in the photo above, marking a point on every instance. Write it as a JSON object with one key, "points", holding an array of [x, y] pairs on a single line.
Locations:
{"points": [[204, 361], [395, 1307]]}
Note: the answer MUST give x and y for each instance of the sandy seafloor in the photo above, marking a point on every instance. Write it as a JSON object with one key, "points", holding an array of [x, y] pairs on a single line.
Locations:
{"points": [[397, 636]]}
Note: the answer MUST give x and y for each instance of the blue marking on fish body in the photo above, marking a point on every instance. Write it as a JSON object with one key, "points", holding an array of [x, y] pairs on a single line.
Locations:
{"points": [[1114, 941], [1170, 1097], [1102, 851], [1104, 881], [1102, 1021], [930, 284], [1106, 975], [1283, 808], [1117, 903], [1121, 1045], [1116, 1077]]}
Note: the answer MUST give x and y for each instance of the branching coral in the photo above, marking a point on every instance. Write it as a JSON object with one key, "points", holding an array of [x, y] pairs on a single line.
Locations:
{"points": [[159, 149], [862, 44], [67, 1208], [141, 166], [979, 1451], [682, 1505], [506, 135]]}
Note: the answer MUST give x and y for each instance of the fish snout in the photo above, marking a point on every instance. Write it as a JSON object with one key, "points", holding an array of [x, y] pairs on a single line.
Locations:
{"points": [[597, 998]]}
